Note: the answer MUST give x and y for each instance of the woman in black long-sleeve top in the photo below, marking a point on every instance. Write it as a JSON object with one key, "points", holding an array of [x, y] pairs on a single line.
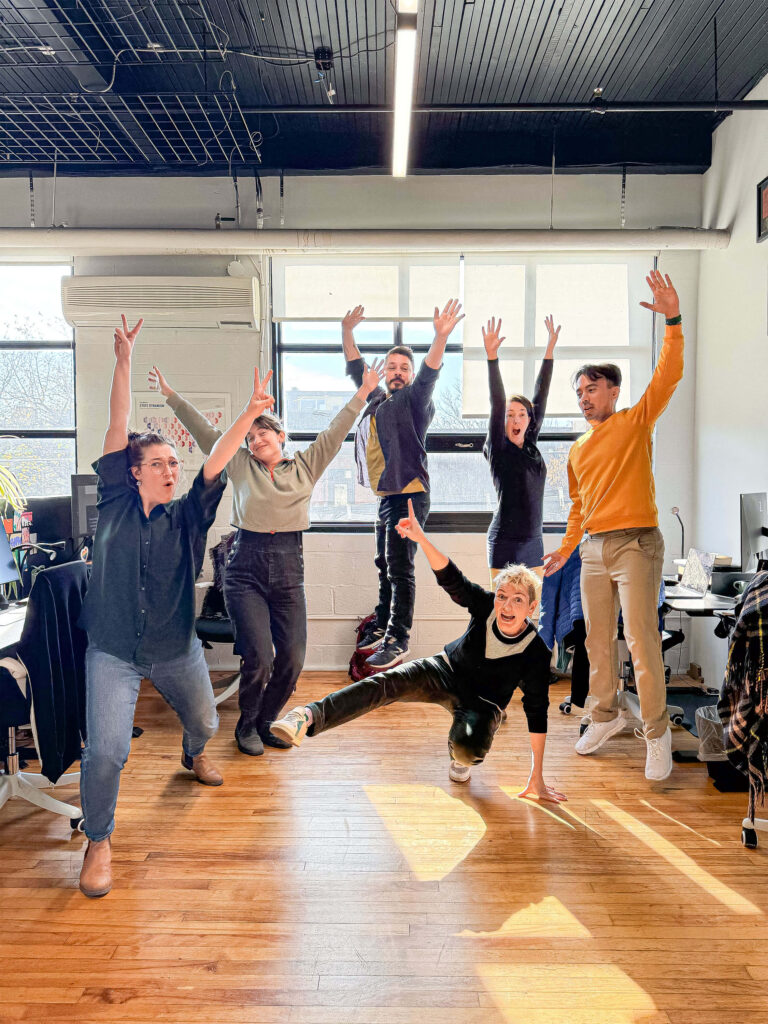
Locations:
{"points": [[517, 466]]}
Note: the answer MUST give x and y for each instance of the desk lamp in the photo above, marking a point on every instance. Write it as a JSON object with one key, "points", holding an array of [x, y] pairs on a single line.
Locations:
{"points": [[676, 513]]}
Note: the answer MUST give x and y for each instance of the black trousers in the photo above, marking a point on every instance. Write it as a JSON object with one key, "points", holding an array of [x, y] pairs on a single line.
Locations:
{"points": [[395, 561], [264, 594], [427, 681], [580, 663]]}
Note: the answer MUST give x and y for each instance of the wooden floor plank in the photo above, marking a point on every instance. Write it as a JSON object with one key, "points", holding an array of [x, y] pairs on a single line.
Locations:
{"points": [[349, 882]]}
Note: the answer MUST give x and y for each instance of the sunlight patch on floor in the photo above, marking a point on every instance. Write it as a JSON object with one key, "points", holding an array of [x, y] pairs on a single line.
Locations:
{"points": [[677, 859], [433, 830], [547, 919]]}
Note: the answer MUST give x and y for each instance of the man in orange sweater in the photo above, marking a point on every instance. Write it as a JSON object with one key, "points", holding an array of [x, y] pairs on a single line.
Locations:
{"points": [[611, 485]]}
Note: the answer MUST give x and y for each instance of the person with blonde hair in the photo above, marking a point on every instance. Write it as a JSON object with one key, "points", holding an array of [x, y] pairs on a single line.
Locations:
{"points": [[473, 678]]}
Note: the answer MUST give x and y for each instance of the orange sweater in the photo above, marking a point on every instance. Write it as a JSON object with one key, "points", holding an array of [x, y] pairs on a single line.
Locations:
{"points": [[610, 478]]}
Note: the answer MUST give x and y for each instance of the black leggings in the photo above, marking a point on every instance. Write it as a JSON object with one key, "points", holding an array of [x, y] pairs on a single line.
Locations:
{"points": [[429, 681], [580, 663]]}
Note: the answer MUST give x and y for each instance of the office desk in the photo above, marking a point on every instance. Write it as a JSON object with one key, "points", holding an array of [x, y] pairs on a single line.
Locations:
{"points": [[700, 607], [11, 626]]}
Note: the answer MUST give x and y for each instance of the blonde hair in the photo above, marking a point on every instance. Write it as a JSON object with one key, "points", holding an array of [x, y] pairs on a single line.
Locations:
{"points": [[521, 578]]}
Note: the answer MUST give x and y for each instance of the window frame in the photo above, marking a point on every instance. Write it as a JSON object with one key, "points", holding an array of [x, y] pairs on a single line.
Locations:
{"points": [[42, 345], [458, 443]]}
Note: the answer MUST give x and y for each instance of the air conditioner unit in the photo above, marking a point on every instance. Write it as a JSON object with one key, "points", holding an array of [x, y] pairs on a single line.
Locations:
{"points": [[172, 302]]}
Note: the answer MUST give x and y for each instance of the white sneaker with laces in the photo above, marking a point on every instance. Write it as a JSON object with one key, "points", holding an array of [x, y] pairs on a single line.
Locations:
{"points": [[292, 727], [658, 758], [597, 733], [459, 772]]}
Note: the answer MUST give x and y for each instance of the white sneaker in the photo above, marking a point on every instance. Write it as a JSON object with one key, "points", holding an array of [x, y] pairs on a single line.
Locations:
{"points": [[658, 759], [597, 733], [292, 727], [459, 772]]}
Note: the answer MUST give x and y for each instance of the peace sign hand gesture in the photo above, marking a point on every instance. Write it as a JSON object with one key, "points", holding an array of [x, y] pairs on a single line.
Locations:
{"points": [[125, 338], [260, 400]]}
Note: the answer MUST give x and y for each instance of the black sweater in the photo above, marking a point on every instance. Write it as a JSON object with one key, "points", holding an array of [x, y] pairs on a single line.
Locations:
{"points": [[495, 679], [519, 474]]}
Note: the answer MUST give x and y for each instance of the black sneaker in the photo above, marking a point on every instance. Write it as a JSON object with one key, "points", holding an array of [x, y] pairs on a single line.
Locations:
{"points": [[391, 652], [371, 638], [248, 740]]}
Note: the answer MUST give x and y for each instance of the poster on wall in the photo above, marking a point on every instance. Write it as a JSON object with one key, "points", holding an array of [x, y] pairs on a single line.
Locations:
{"points": [[762, 210], [150, 412]]}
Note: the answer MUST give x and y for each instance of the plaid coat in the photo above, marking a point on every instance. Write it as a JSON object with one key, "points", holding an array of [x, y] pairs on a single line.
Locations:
{"points": [[743, 704]]}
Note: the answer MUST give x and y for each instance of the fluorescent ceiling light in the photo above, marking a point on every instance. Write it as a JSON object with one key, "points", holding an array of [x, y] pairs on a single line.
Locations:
{"points": [[405, 66]]}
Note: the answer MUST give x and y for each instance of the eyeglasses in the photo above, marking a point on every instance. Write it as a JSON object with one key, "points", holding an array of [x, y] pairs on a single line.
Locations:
{"points": [[158, 465]]}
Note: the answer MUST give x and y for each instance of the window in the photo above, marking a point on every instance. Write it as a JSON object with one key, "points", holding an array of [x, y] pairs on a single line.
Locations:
{"points": [[37, 380], [594, 296]]}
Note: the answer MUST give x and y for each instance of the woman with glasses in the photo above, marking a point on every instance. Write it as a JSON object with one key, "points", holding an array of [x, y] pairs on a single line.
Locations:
{"points": [[139, 610], [264, 578], [517, 466]]}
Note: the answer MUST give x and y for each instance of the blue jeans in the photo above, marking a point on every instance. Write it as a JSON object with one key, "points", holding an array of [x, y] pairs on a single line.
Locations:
{"points": [[264, 593], [395, 561], [111, 690]]}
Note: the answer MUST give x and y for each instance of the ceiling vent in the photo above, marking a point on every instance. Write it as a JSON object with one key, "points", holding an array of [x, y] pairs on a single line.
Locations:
{"points": [[192, 303]]}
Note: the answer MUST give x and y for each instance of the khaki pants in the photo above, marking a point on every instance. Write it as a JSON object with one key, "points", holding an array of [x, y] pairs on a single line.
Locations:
{"points": [[622, 568]]}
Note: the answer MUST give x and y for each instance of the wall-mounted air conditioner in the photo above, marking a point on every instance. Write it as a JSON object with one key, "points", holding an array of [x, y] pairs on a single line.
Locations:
{"points": [[172, 302]]}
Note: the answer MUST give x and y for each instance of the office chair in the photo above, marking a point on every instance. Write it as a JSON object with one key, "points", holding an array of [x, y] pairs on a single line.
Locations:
{"points": [[44, 688], [218, 631], [213, 625]]}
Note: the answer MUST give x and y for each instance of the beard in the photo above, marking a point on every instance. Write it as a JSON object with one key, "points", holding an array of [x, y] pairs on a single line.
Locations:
{"points": [[396, 384]]}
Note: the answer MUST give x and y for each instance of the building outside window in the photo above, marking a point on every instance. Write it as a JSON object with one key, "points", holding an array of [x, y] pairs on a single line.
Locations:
{"points": [[37, 380]]}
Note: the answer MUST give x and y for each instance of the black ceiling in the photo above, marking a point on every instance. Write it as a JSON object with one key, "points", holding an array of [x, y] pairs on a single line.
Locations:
{"points": [[183, 86]]}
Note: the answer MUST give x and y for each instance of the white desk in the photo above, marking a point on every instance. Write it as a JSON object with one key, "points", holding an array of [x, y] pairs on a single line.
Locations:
{"points": [[11, 625]]}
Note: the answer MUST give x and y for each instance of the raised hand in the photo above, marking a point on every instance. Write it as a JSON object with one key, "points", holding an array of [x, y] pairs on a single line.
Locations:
{"points": [[410, 528], [553, 333], [665, 300], [353, 318], [157, 382], [260, 400], [491, 338], [538, 789], [445, 322], [373, 375], [125, 338]]}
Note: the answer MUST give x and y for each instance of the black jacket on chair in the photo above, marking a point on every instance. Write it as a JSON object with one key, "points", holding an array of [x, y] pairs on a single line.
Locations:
{"points": [[52, 648]]}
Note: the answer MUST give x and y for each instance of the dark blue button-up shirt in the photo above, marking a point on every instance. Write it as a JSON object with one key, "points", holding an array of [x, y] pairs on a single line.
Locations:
{"points": [[140, 604]]}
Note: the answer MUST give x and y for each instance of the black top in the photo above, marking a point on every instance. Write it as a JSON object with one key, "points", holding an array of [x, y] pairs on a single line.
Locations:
{"points": [[519, 474], [402, 420], [140, 604], [496, 678]]}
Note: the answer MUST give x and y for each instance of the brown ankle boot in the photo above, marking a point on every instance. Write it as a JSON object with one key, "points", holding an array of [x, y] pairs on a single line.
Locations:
{"points": [[96, 872], [205, 772]]}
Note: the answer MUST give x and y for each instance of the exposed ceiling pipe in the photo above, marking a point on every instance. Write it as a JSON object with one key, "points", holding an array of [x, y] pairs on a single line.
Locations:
{"points": [[596, 106], [68, 242]]}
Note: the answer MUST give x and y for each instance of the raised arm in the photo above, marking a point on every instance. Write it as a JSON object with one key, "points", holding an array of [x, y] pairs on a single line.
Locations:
{"points": [[326, 446], [669, 368], [496, 420], [116, 437], [444, 324], [354, 361], [544, 379], [229, 442], [199, 427]]}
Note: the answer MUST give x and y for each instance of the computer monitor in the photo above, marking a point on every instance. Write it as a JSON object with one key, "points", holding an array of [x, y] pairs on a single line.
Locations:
{"points": [[85, 514], [754, 529]]}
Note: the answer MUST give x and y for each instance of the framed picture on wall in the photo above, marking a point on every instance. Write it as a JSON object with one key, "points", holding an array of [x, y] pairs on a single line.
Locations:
{"points": [[762, 210]]}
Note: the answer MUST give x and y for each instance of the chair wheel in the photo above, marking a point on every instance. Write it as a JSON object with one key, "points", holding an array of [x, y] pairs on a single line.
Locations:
{"points": [[677, 719], [566, 707], [749, 838], [78, 824]]}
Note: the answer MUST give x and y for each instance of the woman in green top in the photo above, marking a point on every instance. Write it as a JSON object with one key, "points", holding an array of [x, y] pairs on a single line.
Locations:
{"points": [[264, 581]]}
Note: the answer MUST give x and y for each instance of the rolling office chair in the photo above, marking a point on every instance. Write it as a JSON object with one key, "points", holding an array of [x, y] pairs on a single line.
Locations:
{"points": [[213, 625], [44, 687]]}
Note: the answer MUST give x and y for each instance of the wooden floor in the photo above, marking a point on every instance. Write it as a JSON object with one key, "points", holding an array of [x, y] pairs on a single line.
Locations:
{"points": [[349, 882]]}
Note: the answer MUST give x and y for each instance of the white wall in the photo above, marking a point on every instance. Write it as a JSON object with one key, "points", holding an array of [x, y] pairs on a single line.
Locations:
{"points": [[197, 361], [731, 453]]}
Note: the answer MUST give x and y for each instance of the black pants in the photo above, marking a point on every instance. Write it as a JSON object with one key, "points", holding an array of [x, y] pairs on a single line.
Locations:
{"points": [[264, 594], [395, 560], [580, 663], [428, 681]]}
